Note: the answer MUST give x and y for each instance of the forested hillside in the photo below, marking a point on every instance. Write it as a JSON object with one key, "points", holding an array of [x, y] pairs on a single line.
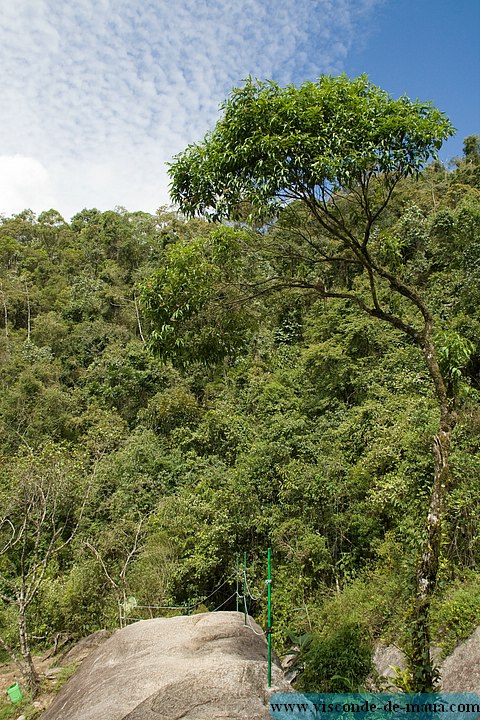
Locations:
{"points": [[140, 457]]}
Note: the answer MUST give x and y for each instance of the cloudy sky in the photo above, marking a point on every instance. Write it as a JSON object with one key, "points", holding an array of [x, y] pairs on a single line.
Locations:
{"points": [[96, 95]]}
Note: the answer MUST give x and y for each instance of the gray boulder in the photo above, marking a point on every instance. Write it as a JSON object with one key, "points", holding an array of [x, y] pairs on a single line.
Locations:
{"points": [[386, 658], [461, 669], [459, 672], [199, 667], [83, 648]]}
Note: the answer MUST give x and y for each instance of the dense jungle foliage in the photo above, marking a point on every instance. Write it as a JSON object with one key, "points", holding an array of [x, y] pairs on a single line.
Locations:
{"points": [[135, 473]]}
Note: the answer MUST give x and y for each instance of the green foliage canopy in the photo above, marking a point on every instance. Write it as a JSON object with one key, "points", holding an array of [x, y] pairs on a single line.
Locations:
{"points": [[191, 300], [276, 144]]}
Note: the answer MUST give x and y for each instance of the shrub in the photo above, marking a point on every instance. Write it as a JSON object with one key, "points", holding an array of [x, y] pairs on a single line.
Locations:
{"points": [[338, 662]]}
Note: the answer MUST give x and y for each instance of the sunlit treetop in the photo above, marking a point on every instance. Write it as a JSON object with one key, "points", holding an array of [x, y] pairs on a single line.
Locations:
{"points": [[275, 144]]}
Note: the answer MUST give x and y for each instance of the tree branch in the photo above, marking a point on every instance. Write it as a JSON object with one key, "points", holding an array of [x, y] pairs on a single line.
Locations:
{"points": [[104, 567]]}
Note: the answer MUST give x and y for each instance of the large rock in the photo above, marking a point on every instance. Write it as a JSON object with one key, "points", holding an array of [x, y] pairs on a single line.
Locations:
{"points": [[83, 648], [386, 658], [199, 667], [461, 670]]}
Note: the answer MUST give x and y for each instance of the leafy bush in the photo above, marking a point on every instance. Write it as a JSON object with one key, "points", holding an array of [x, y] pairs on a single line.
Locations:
{"points": [[337, 662], [457, 614]]}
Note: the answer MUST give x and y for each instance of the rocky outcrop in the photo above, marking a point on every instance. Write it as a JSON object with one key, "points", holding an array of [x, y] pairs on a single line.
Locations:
{"points": [[386, 658], [461, 670], [83, 648], [199, 667]]}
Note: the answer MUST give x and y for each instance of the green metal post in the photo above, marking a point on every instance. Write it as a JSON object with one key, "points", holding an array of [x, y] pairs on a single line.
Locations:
{"points": [[237, 583], [244, 586], [269, 619]]}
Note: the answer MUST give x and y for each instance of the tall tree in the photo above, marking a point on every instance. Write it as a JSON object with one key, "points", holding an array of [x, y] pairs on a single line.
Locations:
{"points": [[42, 498], [324, 160]]}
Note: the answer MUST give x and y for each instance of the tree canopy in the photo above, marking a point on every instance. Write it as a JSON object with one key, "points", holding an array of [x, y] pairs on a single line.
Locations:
{"points": [[273, 145]]}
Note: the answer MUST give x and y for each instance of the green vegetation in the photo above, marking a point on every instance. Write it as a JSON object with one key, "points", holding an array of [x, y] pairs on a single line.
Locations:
{"points": [[166, 424], [325, 160], [11, 711], [339, 662]]}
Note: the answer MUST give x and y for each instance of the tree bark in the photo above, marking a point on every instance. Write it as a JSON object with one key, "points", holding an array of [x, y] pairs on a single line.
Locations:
{"points": [[424, 674], [30, 674], [5, 311]]}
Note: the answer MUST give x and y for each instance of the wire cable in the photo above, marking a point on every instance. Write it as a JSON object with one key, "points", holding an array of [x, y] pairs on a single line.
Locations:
{"points": [[162, 607], [214, 591], [248, 589], [225, 602], [186, 607], [262, 634]]}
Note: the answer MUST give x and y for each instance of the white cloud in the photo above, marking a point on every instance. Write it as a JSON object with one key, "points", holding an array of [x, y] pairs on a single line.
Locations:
{"points": [[24, 182], [102, 92]]}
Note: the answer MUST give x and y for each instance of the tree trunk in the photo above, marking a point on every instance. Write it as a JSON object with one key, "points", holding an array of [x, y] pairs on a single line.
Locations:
{"points": [[5, 311], [30, 674], [424, 675]]}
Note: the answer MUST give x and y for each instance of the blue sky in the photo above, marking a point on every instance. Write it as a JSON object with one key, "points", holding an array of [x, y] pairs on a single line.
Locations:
{"points": [[98, 94], [430, 50]]}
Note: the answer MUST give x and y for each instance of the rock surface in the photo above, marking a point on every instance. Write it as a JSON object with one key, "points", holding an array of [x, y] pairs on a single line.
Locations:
{"points": [[199, 667], [461, 670], [83, 648], [386, 658]]}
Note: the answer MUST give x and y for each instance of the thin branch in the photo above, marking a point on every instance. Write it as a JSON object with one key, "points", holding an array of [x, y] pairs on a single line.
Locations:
{"points": [[54, 550], [133, 551], [22, 437], [137, 313], [5, 310], [6, 598], [104, 567], [321, 213], [28, 312], [321, 290], [10, 651], [10, 543]]}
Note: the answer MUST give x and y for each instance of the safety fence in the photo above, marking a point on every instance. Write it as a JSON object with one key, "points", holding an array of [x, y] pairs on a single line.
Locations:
{"points": [[242, 596]]}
